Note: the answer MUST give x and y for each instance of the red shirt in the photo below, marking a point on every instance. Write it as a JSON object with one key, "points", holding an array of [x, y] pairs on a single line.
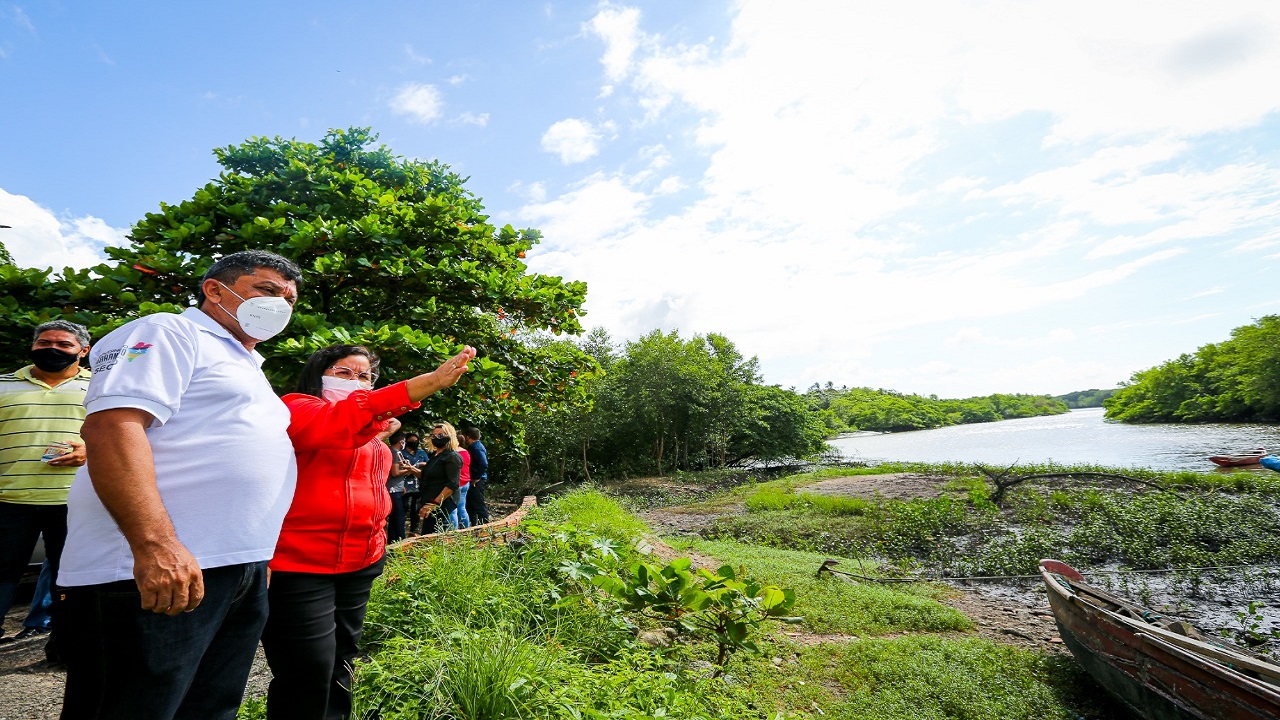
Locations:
{"points": [[337, 522], [465, 477]]}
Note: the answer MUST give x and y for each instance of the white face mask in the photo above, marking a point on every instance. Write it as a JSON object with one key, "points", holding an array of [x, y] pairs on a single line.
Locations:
{"points": [[334, 389], [261, 318]]}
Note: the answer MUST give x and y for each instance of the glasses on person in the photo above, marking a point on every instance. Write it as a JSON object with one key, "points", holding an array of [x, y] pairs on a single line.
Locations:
{"points": [[346, 373]]}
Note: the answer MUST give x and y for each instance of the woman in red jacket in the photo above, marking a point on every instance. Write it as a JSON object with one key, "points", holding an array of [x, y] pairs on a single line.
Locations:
{"points": [[332, 545]]}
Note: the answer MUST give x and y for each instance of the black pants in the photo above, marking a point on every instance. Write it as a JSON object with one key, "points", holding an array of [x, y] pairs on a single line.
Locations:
{"points": [[395, 521], [126, 663], [312, 639], [476, 508], [20, 526], [412, 504]]}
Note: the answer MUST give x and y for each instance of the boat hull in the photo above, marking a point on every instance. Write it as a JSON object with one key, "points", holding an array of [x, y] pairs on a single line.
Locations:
{"points": [[1154, 678], [1239, 459]]}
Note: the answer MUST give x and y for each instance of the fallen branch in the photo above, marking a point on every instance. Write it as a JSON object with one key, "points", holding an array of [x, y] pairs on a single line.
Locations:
{"points": [[1003, 482]]}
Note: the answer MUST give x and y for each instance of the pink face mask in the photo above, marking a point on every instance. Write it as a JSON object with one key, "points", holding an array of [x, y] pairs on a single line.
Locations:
{"points": [[334, 389]]}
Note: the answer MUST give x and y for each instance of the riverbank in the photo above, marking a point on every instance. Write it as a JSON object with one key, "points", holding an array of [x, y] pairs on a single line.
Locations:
{"points": [[467, 630]]}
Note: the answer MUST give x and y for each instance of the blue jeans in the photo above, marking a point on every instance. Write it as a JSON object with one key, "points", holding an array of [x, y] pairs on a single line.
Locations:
{"points": [[464, 521], [39, 616], [124, 662]]}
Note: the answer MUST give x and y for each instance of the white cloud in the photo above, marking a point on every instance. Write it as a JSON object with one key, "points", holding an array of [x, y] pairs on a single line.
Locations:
{"points": [[477, 119], [415, 57], [875, 178], [618, 27], [422, 103], [37, 237], [573, 140], [22, 20]]}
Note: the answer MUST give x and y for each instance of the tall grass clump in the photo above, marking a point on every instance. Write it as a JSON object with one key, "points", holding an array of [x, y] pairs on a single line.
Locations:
{"points": [[594, 511]]}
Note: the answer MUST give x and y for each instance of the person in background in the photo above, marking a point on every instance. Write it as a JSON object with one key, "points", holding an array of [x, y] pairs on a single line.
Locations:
{"points": [[333, 542], [464, 483], [418, 459], [400, 469], [172, 521], [40, 404], [440, 481], [476, 506], [39, 617]]}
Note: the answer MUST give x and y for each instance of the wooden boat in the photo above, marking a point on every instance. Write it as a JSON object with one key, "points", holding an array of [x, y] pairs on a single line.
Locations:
{"points": [[1248, 457], [1159, 669]]}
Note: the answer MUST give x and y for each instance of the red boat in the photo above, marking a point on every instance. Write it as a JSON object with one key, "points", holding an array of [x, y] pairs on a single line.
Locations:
{"points": [[1248, 457], [1160, 669]]}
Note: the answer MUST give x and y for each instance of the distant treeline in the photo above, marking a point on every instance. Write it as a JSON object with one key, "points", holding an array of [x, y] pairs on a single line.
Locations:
{"points": [[665, 403], [1085, 398], [1234, 380], [846, 409]]}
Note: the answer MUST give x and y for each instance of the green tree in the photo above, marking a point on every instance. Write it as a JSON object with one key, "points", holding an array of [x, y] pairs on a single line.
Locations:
{"points": [[1235, 380], [665, 403], [397, 254]]}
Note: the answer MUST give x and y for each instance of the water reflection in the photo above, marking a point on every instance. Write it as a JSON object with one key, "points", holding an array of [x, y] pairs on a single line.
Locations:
{"points": [[1077, 437]]}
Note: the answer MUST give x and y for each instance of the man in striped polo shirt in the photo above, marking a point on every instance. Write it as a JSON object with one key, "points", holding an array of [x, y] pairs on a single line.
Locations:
{"points": [[40, 405]]}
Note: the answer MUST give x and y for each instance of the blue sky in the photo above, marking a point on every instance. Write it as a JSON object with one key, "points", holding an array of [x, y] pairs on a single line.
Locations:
{"points": [[934, 197]]}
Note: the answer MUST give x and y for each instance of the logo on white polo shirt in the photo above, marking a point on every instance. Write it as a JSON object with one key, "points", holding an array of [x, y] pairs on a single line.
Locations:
{"points": [[137, 351], [106, 360]]}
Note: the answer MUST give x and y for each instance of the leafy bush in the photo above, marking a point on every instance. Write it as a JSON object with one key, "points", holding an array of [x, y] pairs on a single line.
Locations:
{"points": [[727, 608]]}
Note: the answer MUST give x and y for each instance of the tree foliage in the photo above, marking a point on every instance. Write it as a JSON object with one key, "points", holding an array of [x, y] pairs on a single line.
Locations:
{"points": [[397, 254], [1091, 398], [663, 403], [1235, 380], [848, 409]]}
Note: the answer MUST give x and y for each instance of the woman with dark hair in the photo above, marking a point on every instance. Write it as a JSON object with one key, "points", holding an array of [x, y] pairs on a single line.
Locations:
{"points": [[333, 542]]}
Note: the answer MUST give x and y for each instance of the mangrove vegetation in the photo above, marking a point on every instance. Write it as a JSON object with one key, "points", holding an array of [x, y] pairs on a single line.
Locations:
{"points": [[1236, 380]]}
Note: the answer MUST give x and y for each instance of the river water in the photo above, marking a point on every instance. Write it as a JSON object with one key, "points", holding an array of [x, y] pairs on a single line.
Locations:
{"points": [[1080, 437]]}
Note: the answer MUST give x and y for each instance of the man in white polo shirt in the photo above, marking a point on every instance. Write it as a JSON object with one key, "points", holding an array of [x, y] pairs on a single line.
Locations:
{"points": [[173, 519]]}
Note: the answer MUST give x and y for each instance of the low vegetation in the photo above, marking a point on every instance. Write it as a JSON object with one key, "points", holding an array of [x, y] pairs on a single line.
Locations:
{"points": [[1196, 520], [529, 630]]}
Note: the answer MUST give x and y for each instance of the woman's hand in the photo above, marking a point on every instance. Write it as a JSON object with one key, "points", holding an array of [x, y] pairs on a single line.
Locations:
{"points": [[427, 509], [442, 377], [393, 425]]}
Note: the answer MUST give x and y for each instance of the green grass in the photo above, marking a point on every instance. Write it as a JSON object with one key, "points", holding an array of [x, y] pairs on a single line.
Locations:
{"points": [[778, 499], [595, 512], [932, 678], [830, 605], [463, 632]]}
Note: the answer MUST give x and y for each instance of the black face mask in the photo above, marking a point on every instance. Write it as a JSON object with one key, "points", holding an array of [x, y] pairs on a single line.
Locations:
{"points": [[53, 360], [411, 445], [440, 441]]}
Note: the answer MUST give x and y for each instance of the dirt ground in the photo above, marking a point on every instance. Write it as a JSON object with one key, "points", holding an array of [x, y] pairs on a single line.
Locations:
{"points": [[895, 486]]}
